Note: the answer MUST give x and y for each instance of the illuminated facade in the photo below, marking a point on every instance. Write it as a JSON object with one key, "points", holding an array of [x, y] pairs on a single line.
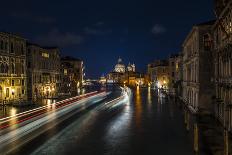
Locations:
{"points": [[158, 73], [197, 68], [123, 74], [131, 67], [72, 74], [120, 67], [223, 61], [12, 68], [43, 65]]}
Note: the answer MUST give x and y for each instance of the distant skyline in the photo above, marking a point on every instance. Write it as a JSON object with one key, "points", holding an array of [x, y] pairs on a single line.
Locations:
{"points": [[99, 32]]}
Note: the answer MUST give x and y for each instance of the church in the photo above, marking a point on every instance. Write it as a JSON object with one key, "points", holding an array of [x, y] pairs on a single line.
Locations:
{"points": [[121, 68], [123, 74]]}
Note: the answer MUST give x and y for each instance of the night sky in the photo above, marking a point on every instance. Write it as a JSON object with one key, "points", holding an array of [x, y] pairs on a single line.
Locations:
{"points": [[101, 31]]}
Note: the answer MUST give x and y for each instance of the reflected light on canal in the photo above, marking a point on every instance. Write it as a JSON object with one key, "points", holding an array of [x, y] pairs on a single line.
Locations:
{"points": [[119, 127], [138, 107], [149, 95]]}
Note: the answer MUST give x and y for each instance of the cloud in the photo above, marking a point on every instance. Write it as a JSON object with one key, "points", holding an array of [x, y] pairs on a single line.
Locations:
{"points": [[33, 18], [158, 29], [57, 38]]}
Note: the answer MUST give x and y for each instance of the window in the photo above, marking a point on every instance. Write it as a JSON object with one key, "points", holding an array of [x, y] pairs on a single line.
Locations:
{"points": [[12, 48], [22, 65], [3, 68], [12, 68], [12, 83], [65, 71], [2, 45], [22, 49], [29, 65], [6, 68], [6, 46], [22, 82], [23, 92], [7, 92], [45, 55]]}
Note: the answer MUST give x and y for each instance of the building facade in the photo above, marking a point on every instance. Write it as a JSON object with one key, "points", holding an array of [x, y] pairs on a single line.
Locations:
{"points": [[12, 68], [172, 72], [72, 74], [197, 68], [43, 65], [223, 61], [178, 85], [158, 73]]}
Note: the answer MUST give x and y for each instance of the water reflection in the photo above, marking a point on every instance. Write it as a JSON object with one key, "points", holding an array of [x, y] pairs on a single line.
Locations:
{"points": [[138, 107], [119, 129], [149, 100]]}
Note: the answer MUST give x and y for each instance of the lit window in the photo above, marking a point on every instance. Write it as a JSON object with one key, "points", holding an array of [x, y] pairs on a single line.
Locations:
{"points": [[45, 55], [65, 71], [177, 66]]}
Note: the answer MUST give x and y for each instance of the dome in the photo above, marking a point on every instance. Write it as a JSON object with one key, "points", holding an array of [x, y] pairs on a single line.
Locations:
{"points": [[119, 67]]}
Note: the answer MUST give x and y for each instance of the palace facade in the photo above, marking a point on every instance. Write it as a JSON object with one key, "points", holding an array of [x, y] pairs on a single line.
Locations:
{"points": [[222, 30], [43, 65], [198, 88], [13, 86], [72, 73]]}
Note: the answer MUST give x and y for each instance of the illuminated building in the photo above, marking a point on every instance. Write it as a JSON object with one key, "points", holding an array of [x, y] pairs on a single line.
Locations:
{"points": [[222, 30], [197, 68], [123, 74], [120, 67], [131, 67], [43, 65], [158, 73], [12, 67], [72, 74], [103, 80]]}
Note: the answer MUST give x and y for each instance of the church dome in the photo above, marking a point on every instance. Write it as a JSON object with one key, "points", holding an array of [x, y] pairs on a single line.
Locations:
{"points": [[120, 67]]}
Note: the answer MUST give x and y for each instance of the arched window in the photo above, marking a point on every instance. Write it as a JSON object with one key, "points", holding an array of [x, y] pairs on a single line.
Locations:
{"points": [[6, 46], [2, 68], [6, 68], [12, 68], [22, 67], [2, 44]]}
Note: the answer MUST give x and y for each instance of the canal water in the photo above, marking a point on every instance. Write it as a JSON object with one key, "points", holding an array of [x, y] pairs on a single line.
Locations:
{"points": [[146, 125]]}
